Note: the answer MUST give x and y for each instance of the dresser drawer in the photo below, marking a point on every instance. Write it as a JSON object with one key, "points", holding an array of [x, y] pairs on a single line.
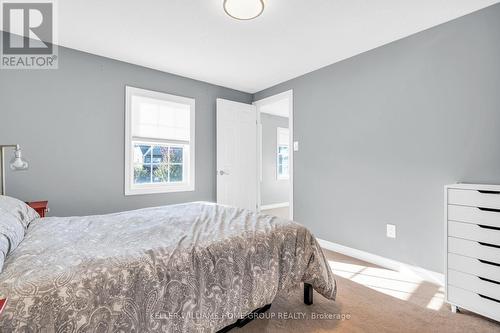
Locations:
{"points": [[474, 232], [475, 284], [473, 249], [474, 198], [474, 215], [473, 266], [473, 302]]}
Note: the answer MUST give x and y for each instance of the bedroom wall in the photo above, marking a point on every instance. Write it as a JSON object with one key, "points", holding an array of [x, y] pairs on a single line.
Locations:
{"points": [[381, 134], [70, 123], [273, 190]]}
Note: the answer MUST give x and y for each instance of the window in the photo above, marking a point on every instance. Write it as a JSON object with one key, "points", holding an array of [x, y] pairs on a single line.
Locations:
{"points": [[159, 142], [283, 142]]}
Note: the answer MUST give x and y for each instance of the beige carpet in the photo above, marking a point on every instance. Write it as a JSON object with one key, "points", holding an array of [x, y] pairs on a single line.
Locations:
{"points": [[371, 299]]}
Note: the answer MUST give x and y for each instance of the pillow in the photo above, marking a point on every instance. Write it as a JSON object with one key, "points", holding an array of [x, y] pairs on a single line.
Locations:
{"points": [[11, 234], [15, 217], [4, 248], [20, 210]]}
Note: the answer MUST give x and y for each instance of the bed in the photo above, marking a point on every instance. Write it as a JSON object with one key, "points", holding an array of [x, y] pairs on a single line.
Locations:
{"points": [[195, 267]]}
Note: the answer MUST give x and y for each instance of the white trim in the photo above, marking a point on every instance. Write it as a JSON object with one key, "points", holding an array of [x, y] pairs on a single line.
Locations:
{"points": [[289, 95], [130, 188], [259, 157], [446, 245], [291, 152], [423, 273], [274, 206]]}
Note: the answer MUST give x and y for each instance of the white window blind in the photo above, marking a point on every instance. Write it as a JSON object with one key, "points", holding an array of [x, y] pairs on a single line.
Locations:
{"points": [[160, 119], [283, 136]]}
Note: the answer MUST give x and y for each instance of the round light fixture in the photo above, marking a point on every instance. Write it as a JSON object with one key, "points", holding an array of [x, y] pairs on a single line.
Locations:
{"points": [[244, 9]]}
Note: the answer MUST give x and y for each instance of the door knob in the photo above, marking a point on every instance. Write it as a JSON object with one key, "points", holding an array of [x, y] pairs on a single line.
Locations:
{"points": [[222, 173]]}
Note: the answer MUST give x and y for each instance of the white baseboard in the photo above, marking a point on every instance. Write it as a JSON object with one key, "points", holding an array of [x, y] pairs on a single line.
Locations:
{"points": [[274, 206], [423, 273]]}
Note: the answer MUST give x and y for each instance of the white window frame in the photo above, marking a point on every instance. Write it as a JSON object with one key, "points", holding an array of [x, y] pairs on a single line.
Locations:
{"points": [[138, 189], [279, 130]]}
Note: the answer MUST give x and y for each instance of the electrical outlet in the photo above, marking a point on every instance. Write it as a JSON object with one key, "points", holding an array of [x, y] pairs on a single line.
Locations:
{"points": [[391, 231]]}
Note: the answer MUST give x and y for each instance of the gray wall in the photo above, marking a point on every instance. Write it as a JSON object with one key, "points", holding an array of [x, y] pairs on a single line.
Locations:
{"points": [[70, 123], [272, 190], [382, 132]]}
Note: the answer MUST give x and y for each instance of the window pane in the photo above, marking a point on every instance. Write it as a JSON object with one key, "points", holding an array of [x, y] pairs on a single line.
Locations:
{"points": [[176, 173], [283, 150], [142, 174], [158, 163], [283, 169], [142, 153], [160, 173], [160, 154], [176, 154]]}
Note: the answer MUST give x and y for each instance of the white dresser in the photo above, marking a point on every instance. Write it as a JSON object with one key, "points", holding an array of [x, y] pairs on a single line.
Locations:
{"points": [[472, 231]]}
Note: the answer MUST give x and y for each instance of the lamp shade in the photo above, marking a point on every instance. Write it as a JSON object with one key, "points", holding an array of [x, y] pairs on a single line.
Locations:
{"points": [[18, 162]]}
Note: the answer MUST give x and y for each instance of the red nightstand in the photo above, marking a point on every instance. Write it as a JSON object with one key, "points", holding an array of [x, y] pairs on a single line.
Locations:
{"points": [[3, 301], [41, 207]]}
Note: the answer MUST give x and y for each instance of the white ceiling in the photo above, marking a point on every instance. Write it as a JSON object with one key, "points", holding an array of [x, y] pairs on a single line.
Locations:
{"points": [[195, 38]]}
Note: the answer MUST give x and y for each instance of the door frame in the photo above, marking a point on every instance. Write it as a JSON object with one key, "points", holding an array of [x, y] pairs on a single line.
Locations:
{"points": [[268, 100]]}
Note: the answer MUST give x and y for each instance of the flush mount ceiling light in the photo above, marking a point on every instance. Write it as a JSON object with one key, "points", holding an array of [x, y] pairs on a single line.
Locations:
{"points": [[244, 9]]}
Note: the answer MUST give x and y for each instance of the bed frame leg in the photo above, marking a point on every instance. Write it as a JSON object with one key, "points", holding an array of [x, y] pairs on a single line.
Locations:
{"points": [[308, 294], [243, 321]]}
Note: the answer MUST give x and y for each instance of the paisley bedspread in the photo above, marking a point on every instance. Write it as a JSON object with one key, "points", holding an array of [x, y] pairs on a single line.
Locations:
{"points": [[194, 267]]}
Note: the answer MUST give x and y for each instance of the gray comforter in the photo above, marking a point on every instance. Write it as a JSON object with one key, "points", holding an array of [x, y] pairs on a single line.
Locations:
{"points": [[185, 268]]}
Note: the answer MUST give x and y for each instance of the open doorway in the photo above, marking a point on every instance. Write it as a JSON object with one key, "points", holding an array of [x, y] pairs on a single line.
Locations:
{"points": [[275, 155]]}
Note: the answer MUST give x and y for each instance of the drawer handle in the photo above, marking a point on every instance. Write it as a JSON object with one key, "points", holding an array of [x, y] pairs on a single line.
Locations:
{"points": [[489, 209], [490, 245], [488, 227], [488, 262], [488, 192], [488, 280], [491, 299]]}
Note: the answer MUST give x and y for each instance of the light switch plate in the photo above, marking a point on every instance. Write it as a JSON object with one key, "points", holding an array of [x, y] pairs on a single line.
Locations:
{"points": [[391, 231], [295, 146]]}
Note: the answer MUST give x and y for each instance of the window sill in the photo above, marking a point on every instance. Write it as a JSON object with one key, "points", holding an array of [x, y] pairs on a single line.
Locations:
{"points": [[158, 189]]}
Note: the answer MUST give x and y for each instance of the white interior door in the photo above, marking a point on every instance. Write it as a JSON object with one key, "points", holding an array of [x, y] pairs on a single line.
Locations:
{"points": [[236, 154]]}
